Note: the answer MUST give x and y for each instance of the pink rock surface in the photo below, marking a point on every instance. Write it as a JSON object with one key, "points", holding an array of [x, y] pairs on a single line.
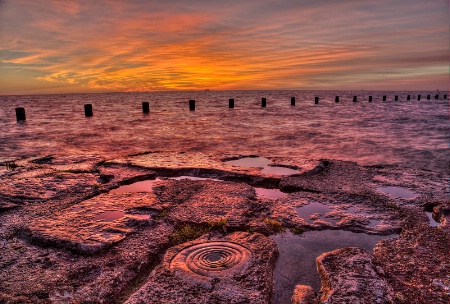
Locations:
{"points": [[304, 295], [350, 276], [94, 224], [191, 272]]}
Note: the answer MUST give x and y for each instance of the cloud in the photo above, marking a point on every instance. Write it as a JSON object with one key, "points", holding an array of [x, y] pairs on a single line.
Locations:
{"points": [[154, 45]]}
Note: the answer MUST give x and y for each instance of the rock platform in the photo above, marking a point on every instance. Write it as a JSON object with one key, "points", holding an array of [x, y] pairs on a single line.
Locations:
{"points": [[67, 235]]}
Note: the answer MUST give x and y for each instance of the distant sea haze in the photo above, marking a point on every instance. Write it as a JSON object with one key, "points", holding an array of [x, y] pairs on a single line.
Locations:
{"points": [[407, 132]]}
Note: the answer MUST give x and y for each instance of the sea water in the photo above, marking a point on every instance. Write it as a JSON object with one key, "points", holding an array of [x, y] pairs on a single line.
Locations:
{"points": [[411, 133]]}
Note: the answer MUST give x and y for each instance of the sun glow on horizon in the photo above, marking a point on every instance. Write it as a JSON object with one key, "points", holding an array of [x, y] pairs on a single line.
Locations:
{"points": [[76, 46]]}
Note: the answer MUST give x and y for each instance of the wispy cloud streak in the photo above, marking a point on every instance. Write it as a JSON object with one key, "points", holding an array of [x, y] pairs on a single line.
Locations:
{"points": [[110, 45]]}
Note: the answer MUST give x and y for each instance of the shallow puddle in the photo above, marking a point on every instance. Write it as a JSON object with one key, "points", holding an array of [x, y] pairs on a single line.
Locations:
{"points": [[297, 260], [373, 223], [147, 185], [306, 211], [253, 162], [355, 211], [109, 216], [142, 186], [433, 222], [397, 192], [275, 170], [195, 178], [106, 216], [269, 193]]}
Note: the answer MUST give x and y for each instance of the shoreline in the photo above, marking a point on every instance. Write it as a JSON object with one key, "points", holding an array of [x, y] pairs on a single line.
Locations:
{"points": [[60, 219]]}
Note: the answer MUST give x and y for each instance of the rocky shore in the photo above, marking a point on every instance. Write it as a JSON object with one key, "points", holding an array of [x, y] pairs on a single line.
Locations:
{"points": [[78, 229]]}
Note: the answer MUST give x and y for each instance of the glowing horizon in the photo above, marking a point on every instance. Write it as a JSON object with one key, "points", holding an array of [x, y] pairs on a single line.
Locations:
{"points": [[55, 46]]}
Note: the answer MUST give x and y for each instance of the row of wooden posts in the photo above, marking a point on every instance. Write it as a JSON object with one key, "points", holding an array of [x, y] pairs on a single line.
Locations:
{"points": [[88, 112]]}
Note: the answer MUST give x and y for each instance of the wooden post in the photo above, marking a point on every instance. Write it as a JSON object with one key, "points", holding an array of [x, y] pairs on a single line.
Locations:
{"points": [[384, 98], [316, 100], [20, 114], [396, 98], [445, 96], [436, 97], [418, 97], [88, 110], [145, 107], [292, 101], [336, 99], [191, 105], [231, 103], [370, 98], [355, 98], [263, 102], [428, 97], [408, 98]]}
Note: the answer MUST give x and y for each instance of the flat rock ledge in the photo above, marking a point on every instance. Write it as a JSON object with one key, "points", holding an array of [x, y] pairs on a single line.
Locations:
{"points": [[350, 276], [236, 268], [304, 295], [94, 224]]}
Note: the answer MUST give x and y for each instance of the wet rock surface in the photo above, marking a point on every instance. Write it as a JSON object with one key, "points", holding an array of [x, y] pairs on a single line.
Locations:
{"points": [[329, 176], [236, 268], [46, 185], [417, 263], [349, 275], [304, 295], [200, 163], [369, 213], [297, 259], [441, 213], [65, 238], [201, 202], [96, 223]]}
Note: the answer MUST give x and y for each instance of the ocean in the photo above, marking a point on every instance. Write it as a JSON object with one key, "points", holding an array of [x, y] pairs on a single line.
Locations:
{"points": [[409, 133]]}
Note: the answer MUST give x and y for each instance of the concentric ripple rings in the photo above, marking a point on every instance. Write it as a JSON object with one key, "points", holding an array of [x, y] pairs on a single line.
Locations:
{"points": [[214, 259]]}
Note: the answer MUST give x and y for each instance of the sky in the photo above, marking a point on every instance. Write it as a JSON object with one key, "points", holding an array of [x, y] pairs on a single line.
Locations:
{"points": [[68, 46]]}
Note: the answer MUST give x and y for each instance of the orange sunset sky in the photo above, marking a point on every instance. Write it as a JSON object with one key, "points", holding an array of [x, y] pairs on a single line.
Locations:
{"points": [[65, 46]]}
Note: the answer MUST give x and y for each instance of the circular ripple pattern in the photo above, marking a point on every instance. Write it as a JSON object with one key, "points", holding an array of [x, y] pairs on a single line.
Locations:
{"points": [[214, 259]]}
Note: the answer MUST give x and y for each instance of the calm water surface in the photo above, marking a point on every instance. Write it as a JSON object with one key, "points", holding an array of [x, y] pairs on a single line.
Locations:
{"points": [[296, 263], [412, 133]]}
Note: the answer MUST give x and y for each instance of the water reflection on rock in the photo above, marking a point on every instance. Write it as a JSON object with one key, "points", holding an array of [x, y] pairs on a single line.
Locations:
{"points": [[398, 192], [249, 162], [269, 193], [433, 222], [277, 170], [297, 260]]}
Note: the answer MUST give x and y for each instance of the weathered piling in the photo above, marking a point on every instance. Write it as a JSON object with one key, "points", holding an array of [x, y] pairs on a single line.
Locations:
{"points": [[145, 107], [263, 102], [396, 98], [445, 96], [192, 105], [292, 101], [418, 97], [370, 98], [436, 97], [384, 97], [408, 97], [88, 110], [336, 99], [428, 97], [316, 100], [355, 98], [20, 114], [231, 103]]}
